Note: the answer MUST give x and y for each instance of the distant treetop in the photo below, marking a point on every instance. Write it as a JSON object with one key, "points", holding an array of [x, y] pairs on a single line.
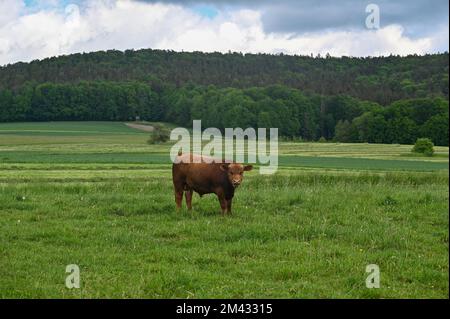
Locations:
{"points": [[379, 79]]}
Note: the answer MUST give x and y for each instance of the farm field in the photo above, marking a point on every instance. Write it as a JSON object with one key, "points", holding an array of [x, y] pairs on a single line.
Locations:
{"points": [[97, 195]]}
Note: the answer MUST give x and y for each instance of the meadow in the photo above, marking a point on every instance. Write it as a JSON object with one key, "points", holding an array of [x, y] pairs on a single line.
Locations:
{"points": [[97, 195]]}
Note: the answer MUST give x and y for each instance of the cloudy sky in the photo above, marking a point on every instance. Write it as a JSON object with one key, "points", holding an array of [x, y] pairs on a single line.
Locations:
{"points": [[35, 29]]}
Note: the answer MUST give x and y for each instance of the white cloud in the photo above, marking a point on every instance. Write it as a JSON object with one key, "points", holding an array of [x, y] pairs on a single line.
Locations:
{"points": [[125, 24], [9, 10]]}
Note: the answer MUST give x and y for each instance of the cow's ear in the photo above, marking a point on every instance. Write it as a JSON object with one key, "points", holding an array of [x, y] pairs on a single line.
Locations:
{"points": [[248, 167], [224, 167]]}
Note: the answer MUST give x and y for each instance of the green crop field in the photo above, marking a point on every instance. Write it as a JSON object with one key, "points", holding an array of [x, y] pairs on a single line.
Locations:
{"points": [[95, 194]]}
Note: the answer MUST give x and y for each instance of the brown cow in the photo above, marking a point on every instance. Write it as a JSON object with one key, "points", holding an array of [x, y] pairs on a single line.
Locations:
{"points": [[220, 178]]}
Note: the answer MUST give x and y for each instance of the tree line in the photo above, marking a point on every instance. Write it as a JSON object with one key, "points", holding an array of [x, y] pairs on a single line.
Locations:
{"points": [[298, 114], [378, 79]]}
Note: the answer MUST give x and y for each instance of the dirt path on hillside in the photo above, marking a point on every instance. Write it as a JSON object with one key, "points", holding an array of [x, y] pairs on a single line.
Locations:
{"points": [[142, 127]]}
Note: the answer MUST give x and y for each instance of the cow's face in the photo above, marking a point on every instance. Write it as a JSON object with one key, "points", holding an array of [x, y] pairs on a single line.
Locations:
{"points": [[235, 172]]}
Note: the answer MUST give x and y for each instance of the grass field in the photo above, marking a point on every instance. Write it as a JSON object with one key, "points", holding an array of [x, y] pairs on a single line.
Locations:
{"points": [[96, 195]]}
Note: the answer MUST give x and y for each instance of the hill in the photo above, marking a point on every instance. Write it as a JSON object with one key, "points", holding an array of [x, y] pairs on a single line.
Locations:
{"points": [[379, 79], [378, 100]]}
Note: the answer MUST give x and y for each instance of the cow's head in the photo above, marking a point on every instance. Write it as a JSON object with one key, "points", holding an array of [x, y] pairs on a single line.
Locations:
{"points": [[235, 172]]}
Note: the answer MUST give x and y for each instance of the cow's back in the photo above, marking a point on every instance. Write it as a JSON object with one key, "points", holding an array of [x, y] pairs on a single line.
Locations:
{"points": [[201, 177]]}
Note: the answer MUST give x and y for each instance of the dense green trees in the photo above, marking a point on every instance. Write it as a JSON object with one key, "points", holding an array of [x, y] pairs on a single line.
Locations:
{"points": [[82, 101], [379, 79], [377, 100], [340, 118], [401, 122]]}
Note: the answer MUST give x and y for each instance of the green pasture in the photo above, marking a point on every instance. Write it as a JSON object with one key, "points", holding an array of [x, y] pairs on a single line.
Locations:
{"points": [[97, 195]]}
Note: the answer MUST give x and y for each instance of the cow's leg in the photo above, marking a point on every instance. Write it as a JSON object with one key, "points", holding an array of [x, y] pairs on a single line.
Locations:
{"points": [[222, 200], [223, 204], [188, 194], [178, 185], [229, 202], [178, 199], [179, 189]]}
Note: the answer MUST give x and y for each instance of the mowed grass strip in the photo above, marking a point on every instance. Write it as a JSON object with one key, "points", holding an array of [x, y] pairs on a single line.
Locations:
{"points": [[70, 127], [301, 235], [361, 163], [163, 158], [98, 137]]}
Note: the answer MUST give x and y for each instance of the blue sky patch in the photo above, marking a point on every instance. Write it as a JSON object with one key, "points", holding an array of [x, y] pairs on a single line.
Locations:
{"points": [[206, 11], [43, 4]]}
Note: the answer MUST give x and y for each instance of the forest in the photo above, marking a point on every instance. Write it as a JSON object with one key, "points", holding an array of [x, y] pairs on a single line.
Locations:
{"points": [[374, 99]]}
